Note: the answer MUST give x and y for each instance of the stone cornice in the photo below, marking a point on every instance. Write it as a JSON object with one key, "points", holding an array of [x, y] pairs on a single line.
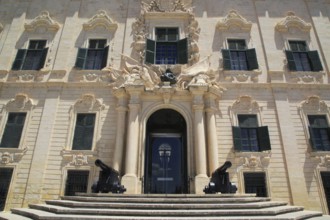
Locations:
{"points": [[292, 21], [42, 20]]}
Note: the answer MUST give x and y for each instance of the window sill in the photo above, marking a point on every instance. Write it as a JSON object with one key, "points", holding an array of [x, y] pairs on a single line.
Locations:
{"points": [[83, 75], [253, 159], [11, 155], [241, 75], [27, 75], [79, 157], [307, 76]]}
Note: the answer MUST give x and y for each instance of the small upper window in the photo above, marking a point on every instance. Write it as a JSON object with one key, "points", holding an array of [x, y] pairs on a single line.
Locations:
{"points": [[319, 132], [167, 49], [32, 58], [94, 57], [238, 57], [301, 59]]}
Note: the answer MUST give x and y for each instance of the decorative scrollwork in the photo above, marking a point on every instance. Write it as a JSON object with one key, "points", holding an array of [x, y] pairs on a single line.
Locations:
{"points": [[234, 19], [292, 21], [100, 19], [42, 20]]}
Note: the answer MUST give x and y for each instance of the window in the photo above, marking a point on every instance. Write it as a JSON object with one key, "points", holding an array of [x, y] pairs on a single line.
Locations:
{"points": [[5, 178], [167, 49], [84, 132], [94, 57], [255, 183], [248, 136], [301, 59], [32, 58], [326, 186], [13, 130], [319, 132], [238, 57], [77, 181]]}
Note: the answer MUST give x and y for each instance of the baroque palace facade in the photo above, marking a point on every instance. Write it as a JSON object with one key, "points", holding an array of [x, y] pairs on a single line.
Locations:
{"points": [[165, 92]]}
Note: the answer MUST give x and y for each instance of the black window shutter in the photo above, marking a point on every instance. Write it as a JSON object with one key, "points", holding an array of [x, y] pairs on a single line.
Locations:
{"points": [[84, 131], [43, 58], [13, 131], [226, 59], [315, 60], [290, 59], [81, 58], [312, 138], [19, 60], [105, 57], [263, 138], [251, 56], [237, 138], [183, 51], [150, 51]]}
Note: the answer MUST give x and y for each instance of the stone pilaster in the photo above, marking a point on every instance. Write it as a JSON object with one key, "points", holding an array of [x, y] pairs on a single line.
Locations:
{"points": [[120, 129], [201, 178], [130, 179], [211, 131]]}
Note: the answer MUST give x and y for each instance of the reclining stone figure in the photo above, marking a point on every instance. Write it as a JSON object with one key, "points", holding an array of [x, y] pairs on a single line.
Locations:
{"points": [[220, 181], [108, 180]]}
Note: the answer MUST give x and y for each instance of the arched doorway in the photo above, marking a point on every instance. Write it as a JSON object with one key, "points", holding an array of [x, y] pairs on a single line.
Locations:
{"points": [[166, 153]]}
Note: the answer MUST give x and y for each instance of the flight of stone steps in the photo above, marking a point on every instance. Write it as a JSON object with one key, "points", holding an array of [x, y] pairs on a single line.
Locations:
{"points": [[188, 206]]}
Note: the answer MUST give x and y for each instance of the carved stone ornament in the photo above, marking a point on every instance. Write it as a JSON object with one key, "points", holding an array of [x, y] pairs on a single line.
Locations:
{"points": [[42, 20], [100, 19], [322, 158], [242, 76], [245, 103], [292, 21], [314, 104], [8, 156], [173, 10], [88, 102], [79, 158], [306, 77], [254, 160], [234, 20], [20, 102]]}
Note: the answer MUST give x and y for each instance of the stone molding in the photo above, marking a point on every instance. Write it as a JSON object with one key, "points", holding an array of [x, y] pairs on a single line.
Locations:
{"points": [[253, 160], [88, 103], [21, 102], [11, 155], [42, 20], [242, 76], [100, 19], [234, 20], [313, 104], [79, 158], [306, 76], [245, 103], [292, 21]]}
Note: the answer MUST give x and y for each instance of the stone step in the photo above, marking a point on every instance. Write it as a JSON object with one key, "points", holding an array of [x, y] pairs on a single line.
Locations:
{"points": [[270, 211], [169, 205]]}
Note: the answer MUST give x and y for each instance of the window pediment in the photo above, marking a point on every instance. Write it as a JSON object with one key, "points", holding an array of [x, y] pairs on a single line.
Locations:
{"points": [[42, 20], [313, 104], [20, 102], [234, 20], [292, 21], [101, 19]]}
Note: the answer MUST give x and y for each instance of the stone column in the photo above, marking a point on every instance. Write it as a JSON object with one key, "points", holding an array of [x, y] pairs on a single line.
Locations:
{"points": [[130, 179], [120, 130], [211, 131], [201, 178]]}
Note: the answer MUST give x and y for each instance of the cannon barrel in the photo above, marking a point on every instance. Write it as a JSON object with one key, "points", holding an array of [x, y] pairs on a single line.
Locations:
{"points": [[223, 168], [104, 167]]}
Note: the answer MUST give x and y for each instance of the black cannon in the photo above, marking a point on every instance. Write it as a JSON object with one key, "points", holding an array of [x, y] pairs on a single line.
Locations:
{"points": [[220, 181], [108, 180]]}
